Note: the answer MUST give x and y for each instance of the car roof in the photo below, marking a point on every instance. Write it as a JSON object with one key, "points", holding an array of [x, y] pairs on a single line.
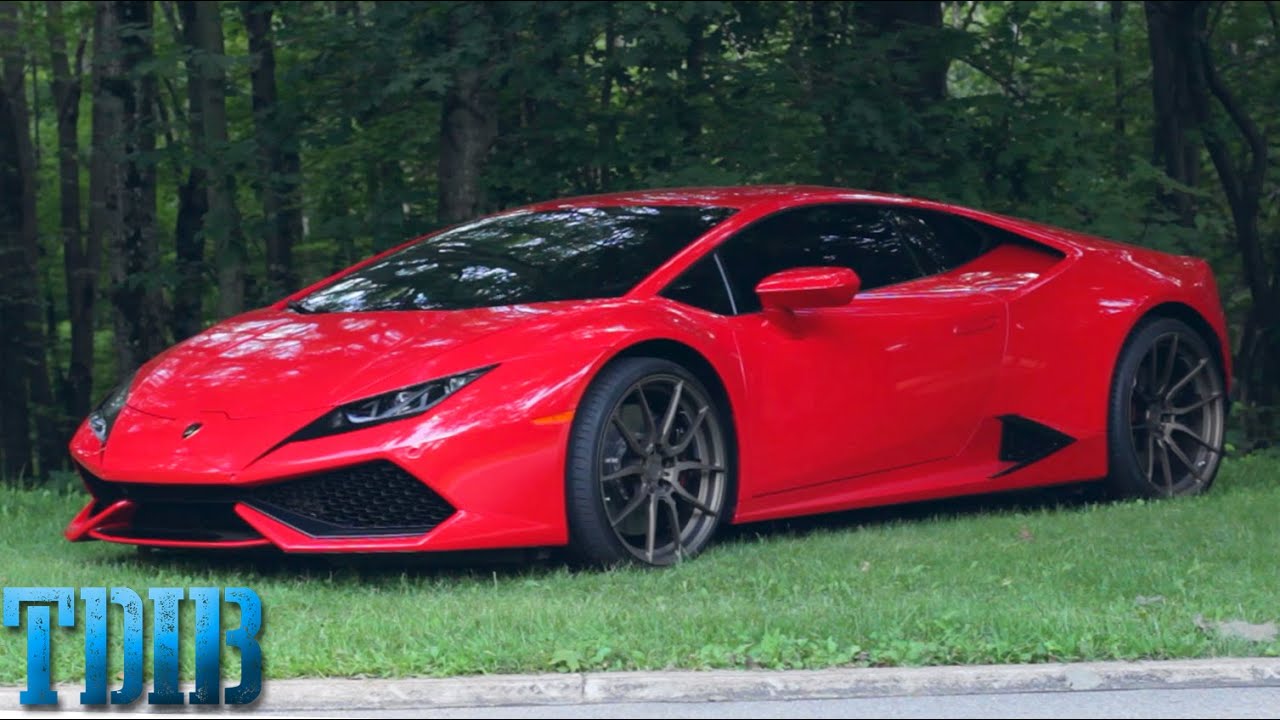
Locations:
{"points": [[740, 197], [769, 198]]}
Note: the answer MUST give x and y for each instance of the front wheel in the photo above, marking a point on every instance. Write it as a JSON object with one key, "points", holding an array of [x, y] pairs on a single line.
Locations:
{"points": [[648, 476], [1168, 412]]}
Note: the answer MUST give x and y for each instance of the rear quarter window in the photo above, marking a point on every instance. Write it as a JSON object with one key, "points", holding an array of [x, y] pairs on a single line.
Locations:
{"points": [[944, 241]]}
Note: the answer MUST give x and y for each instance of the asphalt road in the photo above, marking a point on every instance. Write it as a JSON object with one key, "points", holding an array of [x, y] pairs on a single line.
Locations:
{"points": [[1248, 702]]}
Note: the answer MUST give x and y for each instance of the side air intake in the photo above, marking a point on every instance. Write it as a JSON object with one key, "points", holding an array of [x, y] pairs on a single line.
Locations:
{"points": [[1024, 441]]}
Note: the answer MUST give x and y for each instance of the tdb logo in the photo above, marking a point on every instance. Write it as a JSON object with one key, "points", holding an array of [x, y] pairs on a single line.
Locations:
{"points": [[166, 602]]}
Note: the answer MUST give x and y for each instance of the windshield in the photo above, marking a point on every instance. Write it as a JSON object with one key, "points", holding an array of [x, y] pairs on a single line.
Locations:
{"points": [[521, 258]]}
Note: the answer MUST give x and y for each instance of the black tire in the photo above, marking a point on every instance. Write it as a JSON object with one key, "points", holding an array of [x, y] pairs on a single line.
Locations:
{"points": [[603, 509], [1167, 412]]}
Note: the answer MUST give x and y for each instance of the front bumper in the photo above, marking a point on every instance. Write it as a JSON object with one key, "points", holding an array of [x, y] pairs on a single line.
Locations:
{"points": [[388, 491], [483, 471]]}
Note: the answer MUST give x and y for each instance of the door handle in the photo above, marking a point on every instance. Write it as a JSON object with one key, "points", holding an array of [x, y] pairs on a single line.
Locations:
{"points": [[975, 325]]}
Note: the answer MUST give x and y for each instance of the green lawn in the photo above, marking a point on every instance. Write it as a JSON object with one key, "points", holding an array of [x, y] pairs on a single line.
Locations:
{"points": [[1004, 583]]}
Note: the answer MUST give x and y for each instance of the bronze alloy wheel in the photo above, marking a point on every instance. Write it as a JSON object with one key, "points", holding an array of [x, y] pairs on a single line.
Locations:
{"points": [[649, 477], [1169, 414], [1176, 416], [662, 469]]}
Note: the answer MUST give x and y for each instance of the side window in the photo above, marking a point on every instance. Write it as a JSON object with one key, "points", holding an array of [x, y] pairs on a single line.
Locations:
{"points": [[940, 240], [702, 287], [861, 237]]}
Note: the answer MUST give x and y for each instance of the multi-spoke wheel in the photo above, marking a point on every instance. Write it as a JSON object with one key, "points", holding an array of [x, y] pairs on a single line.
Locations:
{"points": [[1168, 412], [648, 473]]}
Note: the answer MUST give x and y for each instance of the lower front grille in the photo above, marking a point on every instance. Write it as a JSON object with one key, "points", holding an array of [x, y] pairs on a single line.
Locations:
{"points": [[376, 498]]}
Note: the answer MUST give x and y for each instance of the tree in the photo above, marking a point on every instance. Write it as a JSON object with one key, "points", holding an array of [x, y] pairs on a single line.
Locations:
{"points": [[1115, 29], [469, 115], [1172, 29], [127, 91], [15, 420], [27, 375], [1242, 173], [82, 256], [278, 160], [193, 192], [106, 219], [1190, 94], [222, 223], [917, 66]]}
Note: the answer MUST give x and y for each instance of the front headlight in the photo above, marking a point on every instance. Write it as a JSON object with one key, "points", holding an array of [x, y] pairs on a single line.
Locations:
{"points": [[104, 416], [394, 405]]}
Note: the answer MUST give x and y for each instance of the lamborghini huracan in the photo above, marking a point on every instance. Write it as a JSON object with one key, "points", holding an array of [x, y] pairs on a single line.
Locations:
{"points": [[625, 374]]}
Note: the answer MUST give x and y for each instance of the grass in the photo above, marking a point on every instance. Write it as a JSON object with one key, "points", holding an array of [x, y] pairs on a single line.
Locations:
{"points": [[997, 581]]}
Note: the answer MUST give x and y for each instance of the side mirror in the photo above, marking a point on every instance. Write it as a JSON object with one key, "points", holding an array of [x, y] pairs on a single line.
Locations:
{"points": [[810, 287]]}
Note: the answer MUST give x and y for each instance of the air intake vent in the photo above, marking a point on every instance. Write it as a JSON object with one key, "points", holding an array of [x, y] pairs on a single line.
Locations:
{"points": [[1024, 441], [377, 498]]}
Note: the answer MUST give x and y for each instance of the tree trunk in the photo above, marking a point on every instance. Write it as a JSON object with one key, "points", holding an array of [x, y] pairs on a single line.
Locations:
{"points": [[815, 52], [193, 194], [15, 420], [80, 261], [1121, 149], [1171, 32], [107, 122], [607, 126], [24, 307], [222, 224], [469, 117], [924, 81], [131, 89], [334, 200], [278, 158], [106, 159]]}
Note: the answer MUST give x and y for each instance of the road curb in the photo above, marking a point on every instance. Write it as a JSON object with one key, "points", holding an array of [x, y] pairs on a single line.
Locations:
{"points": [[747, 685], [338, 695]]}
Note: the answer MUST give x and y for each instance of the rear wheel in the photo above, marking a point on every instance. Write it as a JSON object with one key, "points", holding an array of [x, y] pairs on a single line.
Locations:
{"points": [[648, 467], [1168, 412]]}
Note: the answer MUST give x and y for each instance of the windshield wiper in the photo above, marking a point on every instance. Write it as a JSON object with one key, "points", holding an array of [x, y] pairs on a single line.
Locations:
{"points": [[298, 307]]}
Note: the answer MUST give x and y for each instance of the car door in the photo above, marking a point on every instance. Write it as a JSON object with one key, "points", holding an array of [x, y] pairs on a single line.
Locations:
{"points": [[898, 377]]}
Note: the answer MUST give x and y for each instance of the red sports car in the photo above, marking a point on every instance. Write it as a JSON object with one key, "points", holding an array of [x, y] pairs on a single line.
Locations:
{"points": [[624, 374]]}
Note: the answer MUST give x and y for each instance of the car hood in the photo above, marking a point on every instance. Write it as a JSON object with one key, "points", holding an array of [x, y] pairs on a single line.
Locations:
{"points": [[272, 362]]}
